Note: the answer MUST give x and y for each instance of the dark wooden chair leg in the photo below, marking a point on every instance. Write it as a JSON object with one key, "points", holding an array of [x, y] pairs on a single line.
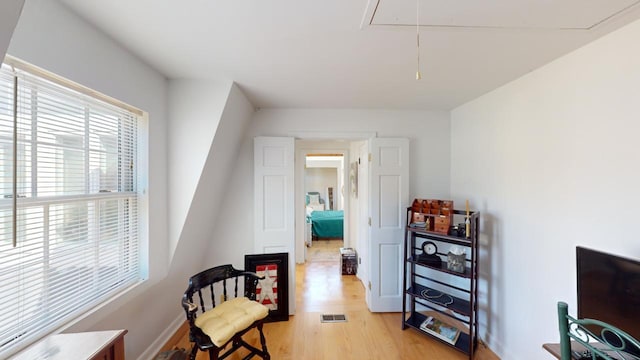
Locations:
{"points": [[213, 354], [263, 342], [194, 350]]}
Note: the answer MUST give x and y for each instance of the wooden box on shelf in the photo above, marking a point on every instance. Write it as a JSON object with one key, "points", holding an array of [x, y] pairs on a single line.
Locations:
{"points": [[437, 215], [441, 224]]}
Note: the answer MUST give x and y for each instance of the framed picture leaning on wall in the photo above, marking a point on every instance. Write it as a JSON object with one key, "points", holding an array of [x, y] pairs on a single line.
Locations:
{"points": [[273, 290]]}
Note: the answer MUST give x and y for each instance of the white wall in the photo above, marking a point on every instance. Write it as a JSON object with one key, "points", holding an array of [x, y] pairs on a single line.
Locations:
{"points": [[551, 161], [9, 13], [318, 179]]}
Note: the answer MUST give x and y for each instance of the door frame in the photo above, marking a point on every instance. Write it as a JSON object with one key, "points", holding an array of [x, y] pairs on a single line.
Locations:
{"points": [[362, 215], [310, 141], [300, 247]]}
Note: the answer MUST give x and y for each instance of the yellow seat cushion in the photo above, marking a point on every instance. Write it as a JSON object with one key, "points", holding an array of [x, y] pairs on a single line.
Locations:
{"points": [[230, 317]]}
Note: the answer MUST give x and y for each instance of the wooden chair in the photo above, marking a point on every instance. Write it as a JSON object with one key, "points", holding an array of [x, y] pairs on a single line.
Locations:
{"points": [[601, 340], [213, 329]]}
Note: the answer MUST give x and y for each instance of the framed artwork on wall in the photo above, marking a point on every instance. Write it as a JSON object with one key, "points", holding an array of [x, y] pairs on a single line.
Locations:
{"points": [[273, 290]]}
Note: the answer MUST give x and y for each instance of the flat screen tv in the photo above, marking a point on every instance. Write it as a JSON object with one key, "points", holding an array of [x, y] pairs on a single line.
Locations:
{"points": [[609, 289]]}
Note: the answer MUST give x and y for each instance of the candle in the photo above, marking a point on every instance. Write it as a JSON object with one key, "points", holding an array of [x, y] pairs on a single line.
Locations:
{"points": [[466, 221]]}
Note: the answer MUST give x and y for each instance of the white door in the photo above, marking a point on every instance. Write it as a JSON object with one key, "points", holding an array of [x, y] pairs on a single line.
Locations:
{"points": [[389, 198], [273, 201]]}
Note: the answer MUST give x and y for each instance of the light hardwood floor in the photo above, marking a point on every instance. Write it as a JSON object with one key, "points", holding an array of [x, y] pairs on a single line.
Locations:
{"points": [[321, 289]]}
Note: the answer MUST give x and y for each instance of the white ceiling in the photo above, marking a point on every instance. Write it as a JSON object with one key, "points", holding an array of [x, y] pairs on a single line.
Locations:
{"points": [[355, 53]]}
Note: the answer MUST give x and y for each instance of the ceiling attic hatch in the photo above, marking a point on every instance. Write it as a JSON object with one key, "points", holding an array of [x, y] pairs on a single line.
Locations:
{"points": [[499, 14]]}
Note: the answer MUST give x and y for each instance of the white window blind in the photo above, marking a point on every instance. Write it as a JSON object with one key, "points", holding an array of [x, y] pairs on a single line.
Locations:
{"points": [[76, 215]]}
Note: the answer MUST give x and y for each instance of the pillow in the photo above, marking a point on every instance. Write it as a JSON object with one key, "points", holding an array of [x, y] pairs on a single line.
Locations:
{"points": [[315, 207], [314, 199], [230, 317]]}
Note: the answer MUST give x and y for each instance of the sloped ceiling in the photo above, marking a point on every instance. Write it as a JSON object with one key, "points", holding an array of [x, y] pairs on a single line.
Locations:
{"points": [[9, 13], [357, 53]]}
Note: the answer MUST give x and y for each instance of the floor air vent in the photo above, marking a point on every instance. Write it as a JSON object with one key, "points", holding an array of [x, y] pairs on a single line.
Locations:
{"points": [[333, 318]]}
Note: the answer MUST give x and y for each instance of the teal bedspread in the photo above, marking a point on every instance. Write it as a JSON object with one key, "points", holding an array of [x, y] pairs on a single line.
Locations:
{"points": [[327, 224]]}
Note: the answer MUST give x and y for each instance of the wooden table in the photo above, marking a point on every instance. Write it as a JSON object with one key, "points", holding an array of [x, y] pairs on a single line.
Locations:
{"points": [[94, 345], [554, 349]]}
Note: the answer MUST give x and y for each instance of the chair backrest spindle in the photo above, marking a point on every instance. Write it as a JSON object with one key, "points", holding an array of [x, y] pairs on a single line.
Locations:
{"points": [[213, 295], [224, 289], [201, 301], [199, 283]]}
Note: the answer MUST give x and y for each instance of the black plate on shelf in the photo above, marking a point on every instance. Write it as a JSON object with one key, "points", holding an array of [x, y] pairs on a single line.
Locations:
{"points": [[458, 305]]}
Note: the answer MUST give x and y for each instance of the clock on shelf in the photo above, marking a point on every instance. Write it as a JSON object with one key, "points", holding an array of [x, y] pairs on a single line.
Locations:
{"points": [[429, 254]]}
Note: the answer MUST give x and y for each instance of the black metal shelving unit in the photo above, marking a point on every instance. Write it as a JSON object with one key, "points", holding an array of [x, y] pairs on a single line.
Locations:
{"points": [[459, 288]]}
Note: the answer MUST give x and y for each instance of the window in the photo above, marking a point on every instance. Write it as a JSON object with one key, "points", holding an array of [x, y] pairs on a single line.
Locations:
{"points": [[68, 203]]}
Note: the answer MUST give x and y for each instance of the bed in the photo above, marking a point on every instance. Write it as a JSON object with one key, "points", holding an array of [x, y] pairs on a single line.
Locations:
{"points": [[328, 224], [325, 224]]}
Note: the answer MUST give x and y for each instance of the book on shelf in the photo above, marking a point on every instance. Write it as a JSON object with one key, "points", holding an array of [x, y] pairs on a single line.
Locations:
{"points": [[440, 330]]}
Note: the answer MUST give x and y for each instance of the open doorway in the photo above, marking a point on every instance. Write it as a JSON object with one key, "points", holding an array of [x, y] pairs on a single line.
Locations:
{"points": [[321, 186], [324, 205], [324, 211], [349, 196]]}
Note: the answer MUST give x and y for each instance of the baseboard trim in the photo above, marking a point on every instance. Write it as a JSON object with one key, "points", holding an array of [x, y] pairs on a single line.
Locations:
{"points": [[165, 336], [496, 347]]}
